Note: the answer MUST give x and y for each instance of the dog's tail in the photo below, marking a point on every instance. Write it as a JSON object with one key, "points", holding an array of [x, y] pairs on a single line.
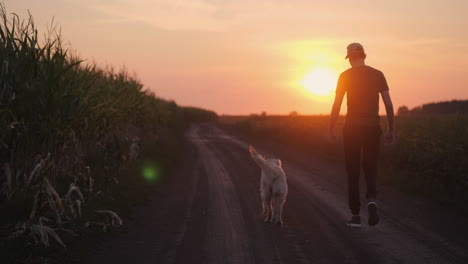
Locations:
{"points": [[258, 158]]}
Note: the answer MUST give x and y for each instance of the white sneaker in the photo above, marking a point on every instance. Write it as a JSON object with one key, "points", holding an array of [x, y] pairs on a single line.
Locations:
{"points": [[373, 217], [354, 222]]}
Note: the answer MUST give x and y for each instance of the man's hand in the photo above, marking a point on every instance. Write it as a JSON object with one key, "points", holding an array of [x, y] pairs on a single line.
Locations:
{"points": [[390, 137], [334, 116]]}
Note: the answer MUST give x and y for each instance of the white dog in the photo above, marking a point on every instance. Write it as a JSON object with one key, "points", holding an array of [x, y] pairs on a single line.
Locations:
{"points": [[273, 187]]}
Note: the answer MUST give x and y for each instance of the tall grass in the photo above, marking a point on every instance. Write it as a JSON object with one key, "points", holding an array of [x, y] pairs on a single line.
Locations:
{"points": [[429, 157], [66, 128]]}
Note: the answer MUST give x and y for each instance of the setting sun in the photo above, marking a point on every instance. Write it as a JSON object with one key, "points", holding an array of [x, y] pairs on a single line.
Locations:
{"points": [[320, 82]]}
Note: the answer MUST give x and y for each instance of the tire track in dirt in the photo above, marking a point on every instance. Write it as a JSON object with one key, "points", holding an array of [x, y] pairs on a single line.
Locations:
{"points": [[181, 232], [262, 244], [226, 237]]}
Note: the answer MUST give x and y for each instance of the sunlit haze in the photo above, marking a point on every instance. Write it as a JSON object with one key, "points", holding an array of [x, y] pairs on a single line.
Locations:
{"points": [[320, 82], [242, 57]]}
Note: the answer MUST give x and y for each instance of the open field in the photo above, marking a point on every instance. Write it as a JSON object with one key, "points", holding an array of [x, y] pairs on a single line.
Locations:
{"points": [[429, 157]]}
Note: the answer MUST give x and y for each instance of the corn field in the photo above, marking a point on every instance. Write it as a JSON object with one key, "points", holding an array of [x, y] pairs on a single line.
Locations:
{"points": [[429, 157], [66, 128]]}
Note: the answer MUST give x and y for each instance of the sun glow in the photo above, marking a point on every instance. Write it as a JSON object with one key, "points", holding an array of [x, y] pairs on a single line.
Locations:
{"points": [[319, 82]]}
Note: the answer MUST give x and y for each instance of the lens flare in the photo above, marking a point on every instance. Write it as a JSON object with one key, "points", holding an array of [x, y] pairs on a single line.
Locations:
{"points": [[150, 171]]}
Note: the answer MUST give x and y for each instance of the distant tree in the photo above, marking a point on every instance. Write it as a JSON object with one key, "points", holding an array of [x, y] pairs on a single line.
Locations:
{"points": [[403, 110], [447, 107], [264, 114], [417, 110], [294, 113], [451, 107], [195, 114]]}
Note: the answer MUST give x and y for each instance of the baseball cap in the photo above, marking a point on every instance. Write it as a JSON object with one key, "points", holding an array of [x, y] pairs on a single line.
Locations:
{"points": [[354, 48]]}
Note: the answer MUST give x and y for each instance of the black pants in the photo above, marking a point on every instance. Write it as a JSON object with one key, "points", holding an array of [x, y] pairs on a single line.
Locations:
{"points": [[359, 139]]}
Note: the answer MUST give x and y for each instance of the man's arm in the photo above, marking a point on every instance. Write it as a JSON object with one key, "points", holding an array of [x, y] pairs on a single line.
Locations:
{"points": [[335, 112], [390, 116]]}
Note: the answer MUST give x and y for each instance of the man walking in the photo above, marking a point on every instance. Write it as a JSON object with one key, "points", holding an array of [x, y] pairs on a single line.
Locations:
{"points": [[361, 133]]}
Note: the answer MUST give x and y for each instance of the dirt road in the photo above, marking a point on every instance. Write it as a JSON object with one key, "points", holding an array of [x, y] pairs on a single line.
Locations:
{"points": [[209, 212]]}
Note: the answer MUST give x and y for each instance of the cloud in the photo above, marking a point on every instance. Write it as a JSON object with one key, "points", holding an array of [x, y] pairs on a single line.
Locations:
{"points": [[169, 15], [217, 15]]}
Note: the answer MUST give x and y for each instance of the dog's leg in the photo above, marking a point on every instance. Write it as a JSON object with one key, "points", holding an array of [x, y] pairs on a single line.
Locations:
{"points": [[265, 210], [273, 210], [266, 203], [281, 212], [278, 201]]}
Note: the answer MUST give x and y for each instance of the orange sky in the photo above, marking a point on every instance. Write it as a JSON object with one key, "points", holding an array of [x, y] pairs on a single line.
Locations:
{"points": [[242, 57]]}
